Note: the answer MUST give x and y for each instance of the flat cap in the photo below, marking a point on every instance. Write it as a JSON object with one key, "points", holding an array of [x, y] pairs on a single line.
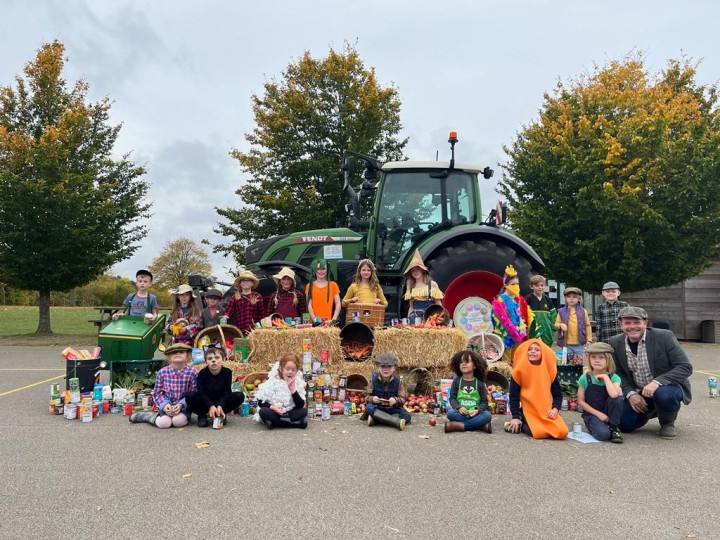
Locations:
{"points": [[632, 312], [574, 290], [599, 347], [611, 285], [386, 358]]}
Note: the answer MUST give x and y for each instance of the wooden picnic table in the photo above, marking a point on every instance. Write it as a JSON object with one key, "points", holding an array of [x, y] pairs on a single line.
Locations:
{"points": [[105, 314]]}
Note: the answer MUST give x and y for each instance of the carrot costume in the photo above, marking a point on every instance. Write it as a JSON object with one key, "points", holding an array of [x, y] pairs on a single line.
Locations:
{"points": [[536, 389]]}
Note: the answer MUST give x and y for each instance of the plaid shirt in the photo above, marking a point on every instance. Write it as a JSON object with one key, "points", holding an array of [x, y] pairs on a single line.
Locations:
{"points": [[606, 315], [171, 386], [638, 364], [285, 303], [243, 313]]}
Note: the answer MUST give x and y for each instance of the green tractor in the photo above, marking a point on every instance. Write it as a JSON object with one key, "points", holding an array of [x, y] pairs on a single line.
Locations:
{"points": [[427, 205]]}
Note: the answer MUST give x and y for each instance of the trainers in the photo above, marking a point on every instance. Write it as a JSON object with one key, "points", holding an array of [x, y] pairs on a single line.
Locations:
{"points": [[487, 428], [202, 421], [616, 436]]}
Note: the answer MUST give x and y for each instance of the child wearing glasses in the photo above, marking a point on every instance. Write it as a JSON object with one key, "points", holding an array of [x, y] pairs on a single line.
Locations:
{"points": [[214, 397]]}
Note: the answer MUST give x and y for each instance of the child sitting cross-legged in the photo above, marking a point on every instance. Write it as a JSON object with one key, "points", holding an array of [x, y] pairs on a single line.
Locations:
{"points": [[468, 394], [282, 396], [386, 395], [214, 396]]}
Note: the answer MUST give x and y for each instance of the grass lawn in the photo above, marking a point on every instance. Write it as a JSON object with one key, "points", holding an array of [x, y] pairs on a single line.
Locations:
{"points": [[69, 325]]}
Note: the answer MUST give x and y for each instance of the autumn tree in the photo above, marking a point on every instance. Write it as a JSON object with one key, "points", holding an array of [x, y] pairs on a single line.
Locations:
{"points": [[69, 210], [178, 259], [618, 178], [304, 123]]}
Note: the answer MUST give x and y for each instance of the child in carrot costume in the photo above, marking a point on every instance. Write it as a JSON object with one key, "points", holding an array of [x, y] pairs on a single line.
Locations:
{"points": [[535, 395]]}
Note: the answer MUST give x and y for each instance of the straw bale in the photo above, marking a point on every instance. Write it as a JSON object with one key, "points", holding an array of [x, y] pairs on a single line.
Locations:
{"points": [[430, 348], [503, 368], [269, 344]]}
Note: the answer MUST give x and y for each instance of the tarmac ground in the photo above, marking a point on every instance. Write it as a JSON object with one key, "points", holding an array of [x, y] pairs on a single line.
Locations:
{"points": [[342, 479]]}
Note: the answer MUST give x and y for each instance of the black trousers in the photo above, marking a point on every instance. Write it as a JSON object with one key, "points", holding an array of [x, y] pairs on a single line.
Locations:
{"points": [[196, 402], [268, 415]]}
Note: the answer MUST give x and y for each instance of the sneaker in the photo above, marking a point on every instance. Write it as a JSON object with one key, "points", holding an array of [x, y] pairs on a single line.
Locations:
{"points": [[616, 436], [202, 421], [487, 428]]}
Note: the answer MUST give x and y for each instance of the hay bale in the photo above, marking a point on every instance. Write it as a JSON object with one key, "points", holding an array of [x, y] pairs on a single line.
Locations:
{"points": [[269, 344], [429, 348], [503, 368]]}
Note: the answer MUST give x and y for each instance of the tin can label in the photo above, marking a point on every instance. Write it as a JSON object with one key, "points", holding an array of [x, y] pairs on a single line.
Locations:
{"points": [[324, 355], [245, 409], [218, 422], [347, 406], [576, 429], [127, 409]]}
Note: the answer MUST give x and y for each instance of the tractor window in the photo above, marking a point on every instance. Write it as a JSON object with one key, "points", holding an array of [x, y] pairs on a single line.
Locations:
{"points": [[411, 204]]}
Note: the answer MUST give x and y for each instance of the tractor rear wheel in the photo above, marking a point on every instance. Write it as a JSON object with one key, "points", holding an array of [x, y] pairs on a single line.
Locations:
{"points": [[476, 268]]}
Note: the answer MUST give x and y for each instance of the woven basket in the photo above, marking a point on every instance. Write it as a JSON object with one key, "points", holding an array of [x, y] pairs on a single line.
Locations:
{"points": [[493, 377], [356, 383], [251, 377], [481, 342], [370, 314], [219, 333], [420, 381], [356, 332]]}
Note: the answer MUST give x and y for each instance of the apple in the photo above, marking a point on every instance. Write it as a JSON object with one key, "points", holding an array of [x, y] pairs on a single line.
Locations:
{"points": [[257, 382], [432, 421]]}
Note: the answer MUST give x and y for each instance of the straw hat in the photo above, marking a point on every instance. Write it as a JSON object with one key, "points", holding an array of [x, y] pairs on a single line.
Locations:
{"points": [[415, 262], [247, 274], [183, 289], [284, 272]]}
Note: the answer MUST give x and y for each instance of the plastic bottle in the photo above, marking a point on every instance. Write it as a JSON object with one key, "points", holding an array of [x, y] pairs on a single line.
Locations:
{"points": [[712, 387]]}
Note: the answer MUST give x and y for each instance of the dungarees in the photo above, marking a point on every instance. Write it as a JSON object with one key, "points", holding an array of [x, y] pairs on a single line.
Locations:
{"points": [[419, 306], [598, 398]]}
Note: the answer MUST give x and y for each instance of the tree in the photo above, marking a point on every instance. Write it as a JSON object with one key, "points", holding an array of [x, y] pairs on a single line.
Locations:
{"points": [[618, 179], [68, 210], [177, 260], [305, 122]]}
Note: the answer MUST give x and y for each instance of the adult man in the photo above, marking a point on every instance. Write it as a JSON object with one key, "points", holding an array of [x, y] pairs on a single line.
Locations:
{"points": [[654, 373]]}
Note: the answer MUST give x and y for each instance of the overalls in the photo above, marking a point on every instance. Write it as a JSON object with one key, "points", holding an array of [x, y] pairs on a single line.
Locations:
{"points": [[598, 398], [419, 306]]}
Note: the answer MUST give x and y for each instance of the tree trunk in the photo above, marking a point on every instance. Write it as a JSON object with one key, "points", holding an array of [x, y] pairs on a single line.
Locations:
{"points": [[71, 298], [44, 320]]}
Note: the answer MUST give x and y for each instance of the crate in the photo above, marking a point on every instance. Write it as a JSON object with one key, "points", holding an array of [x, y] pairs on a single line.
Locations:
{"points": [[370, 314], [569, 373], [142, 367]]}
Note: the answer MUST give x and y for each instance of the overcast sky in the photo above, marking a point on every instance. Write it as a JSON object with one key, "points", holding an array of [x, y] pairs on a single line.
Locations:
{"points": [[181, 74]]}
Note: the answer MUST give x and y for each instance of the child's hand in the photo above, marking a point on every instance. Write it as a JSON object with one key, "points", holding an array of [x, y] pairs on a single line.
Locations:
{"points": [[115, 316], [378, 301], [392, 401], [474, 412], [353, 299], [463, 411], [212, 412], [177, 408], [552, 413], [602, 377], [219, 411], [375, 399], [291, 384], [563, 327], [278, 409], [168, 409], [515, 425], [602, 417]]}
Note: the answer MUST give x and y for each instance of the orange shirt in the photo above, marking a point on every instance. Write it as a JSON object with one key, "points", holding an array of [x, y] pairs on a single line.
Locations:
{"points": [[322, 303]]}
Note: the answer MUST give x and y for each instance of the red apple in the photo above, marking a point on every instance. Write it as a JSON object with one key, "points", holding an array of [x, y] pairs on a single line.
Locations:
{"points": [[432, 421]]}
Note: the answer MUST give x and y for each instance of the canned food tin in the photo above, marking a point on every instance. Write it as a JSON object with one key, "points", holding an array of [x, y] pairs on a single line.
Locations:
{"points": [[245, 409], [324, 355], [307, 345], [356, 316], [218, 422], [127, 409], [326, 411], [71, 411], [394, 322], [576, 429], [105, 406], [347, 406], [318, 410], [97, 408]]}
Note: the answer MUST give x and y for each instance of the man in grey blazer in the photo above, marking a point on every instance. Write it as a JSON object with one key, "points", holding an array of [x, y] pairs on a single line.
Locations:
{"points": [[654, 373]]}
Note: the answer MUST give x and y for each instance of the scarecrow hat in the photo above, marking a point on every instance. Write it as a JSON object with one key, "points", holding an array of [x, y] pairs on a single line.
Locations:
{"points": [[183, 289], [177, 347], [246, 274], [284, 272], [416, 262]]}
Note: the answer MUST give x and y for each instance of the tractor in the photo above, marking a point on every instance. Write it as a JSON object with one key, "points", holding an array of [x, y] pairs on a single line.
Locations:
{"points": [[432, 206]]}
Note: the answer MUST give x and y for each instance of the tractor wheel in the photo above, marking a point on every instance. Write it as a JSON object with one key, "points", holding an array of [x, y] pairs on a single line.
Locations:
{"points": [[476, 268]]}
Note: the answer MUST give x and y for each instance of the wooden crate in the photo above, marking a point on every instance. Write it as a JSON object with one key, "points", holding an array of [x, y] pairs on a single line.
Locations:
{"points": [[370, 314]]}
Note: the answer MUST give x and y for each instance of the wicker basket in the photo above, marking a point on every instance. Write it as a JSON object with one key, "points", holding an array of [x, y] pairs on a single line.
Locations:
{"points": [[353, 334], [370, 314], [482, 343], [420, 381], [219, 334], [493, 377], [251, 377], [356, 383]]}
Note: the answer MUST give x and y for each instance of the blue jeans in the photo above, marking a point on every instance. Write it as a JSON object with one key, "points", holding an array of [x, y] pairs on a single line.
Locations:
{"points": [[667, 399], [370, 408], [472, 423], [614, 407]]}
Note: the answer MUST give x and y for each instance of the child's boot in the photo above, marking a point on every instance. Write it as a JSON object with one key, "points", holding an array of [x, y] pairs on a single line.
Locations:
{"points": [[667, 424], [454, 426], [143, 416], [202, 420], [381, 417]]}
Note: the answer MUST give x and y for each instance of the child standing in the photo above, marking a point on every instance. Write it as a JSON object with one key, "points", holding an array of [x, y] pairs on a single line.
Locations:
{"points": [[211, 314], [323, 296], [600, 395], [287, 300], [421, 291], [468, 394], [535, 395], [386, 395], [365, 288], [141, 302], [543, 311], [214, 396], [282, 396], [171, 384], [245, 307], [573, 324], [510, 314], [185, 318], [606, 314]]}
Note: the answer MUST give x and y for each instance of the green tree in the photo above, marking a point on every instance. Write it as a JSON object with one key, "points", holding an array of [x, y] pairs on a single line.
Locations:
{"points": [[177, 260], [304, 123], [618, 178], [68, 210]]}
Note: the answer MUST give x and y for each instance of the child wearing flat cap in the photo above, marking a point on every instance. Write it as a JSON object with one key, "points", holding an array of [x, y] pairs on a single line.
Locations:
{"points": [[573, 325], [386, 395], [600, 395]]}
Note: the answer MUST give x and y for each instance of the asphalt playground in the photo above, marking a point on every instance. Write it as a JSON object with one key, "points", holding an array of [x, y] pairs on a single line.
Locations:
{"points": [[341, 479]]}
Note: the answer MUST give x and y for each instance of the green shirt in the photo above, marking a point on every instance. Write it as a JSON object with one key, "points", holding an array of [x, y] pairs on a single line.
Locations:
{"points": [[582, 381]]}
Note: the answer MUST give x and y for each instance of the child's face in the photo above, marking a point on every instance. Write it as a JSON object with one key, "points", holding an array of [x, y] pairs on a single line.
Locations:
{"points": [[286, 283], [289, 371], [178, 359], [467, 366], [246, 284], [611, 294], [417, 273], [572, 299], [386, 370], [321, 273], [143, 283], [212, 301], [184, 298], [538, 288], [534, 353], [598, 362], [213, 359], [365, 272]]}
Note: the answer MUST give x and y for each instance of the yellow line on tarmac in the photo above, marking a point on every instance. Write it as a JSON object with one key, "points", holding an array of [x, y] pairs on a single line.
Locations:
{"points": [[716, 373], [31, 385]]}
